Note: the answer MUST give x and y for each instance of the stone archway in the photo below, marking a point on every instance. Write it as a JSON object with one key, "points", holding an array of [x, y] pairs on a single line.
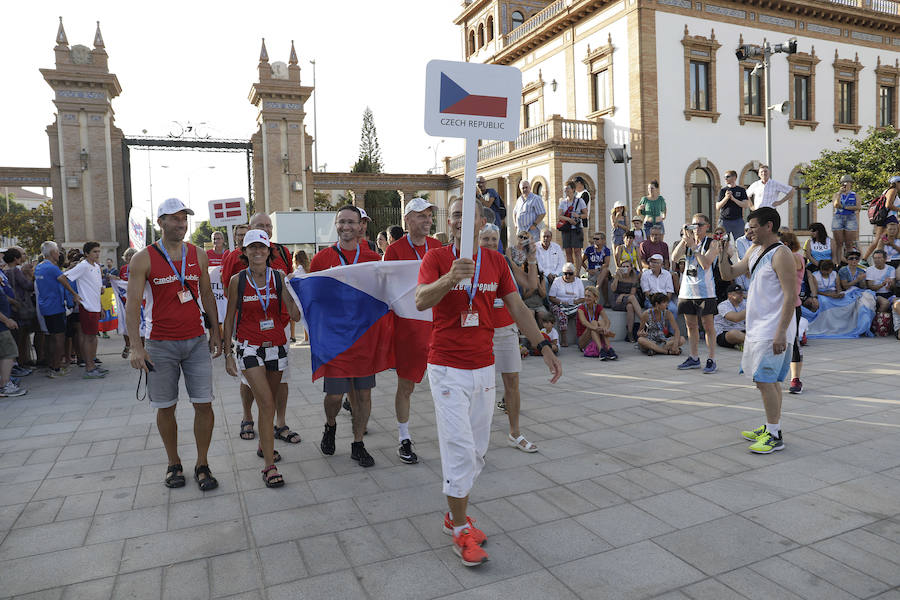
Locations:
{"points": [[715, 179]]}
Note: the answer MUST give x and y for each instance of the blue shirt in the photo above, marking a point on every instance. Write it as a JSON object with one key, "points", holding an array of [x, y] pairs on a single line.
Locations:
{"points": [[526, 211], [596, 257], [49, 289], [496, 205], [845, 274], [6, 309], [848, 199]]}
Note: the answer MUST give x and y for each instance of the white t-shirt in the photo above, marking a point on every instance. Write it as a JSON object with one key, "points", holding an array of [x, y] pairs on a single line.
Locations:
{"points": [[553, 334], [90, 282], [879, 275], [550, 260], [766, 194], [723, 324], [826, 285], [651, 284], [566, 292]]}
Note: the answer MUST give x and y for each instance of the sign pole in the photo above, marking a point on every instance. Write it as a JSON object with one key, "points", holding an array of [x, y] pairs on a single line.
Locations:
{"points": [[466, 242], [231, 237]]}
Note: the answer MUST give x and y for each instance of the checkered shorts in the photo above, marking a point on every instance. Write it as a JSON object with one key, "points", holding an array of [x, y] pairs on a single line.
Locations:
{"points": [[273, 358]]}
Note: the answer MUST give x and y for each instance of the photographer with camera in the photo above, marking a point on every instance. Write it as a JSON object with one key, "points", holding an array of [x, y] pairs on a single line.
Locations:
{"points": [[697, 297]]}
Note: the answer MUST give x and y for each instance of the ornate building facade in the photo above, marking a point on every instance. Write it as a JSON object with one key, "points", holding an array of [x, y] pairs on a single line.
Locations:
{"points": [[661, 78]]}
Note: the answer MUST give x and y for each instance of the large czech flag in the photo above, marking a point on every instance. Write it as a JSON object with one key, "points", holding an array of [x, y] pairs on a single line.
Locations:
{"points": [[352, 313]]}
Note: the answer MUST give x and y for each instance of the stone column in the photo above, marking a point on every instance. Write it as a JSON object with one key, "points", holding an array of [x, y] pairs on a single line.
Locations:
{"points": [[512, 192], [405, 196], [359, 198]]}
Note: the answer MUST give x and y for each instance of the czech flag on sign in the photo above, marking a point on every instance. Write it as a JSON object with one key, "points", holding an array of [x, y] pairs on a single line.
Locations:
{"points": [[352, 313]]}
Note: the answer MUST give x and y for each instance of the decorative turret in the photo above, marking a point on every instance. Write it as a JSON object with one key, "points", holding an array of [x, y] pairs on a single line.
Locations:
{"points": [[264, 68], [293, 65], [98, 38], [61, 50]]}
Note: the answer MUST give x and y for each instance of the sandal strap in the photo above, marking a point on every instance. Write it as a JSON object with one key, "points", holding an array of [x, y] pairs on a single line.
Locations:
{"points": [[202, 469], [175, 468], [269, 468]]}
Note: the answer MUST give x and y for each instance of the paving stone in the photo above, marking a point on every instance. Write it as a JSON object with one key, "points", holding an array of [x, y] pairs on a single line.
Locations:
{"points": [[78, 484], [537, 584], [722, 545], [637, 571], [402, 578], [306, 521], [186, 581], [281, 563], [183, 544], [9, 515], [79, 505], [221, 507], [834, 572], [342, 585], [559, 542], [90, 590], [710, 589], [54, 594], [680, 508], [400, 537], [82, 466], [141, 585], [797, 580], [233, 573], [753, 585], [127, 524], [387, 506], [362, 546], [39, 512], [875, 494], [323, 554], [623, 524], [29, 541], [63, 567], [736, 495]]}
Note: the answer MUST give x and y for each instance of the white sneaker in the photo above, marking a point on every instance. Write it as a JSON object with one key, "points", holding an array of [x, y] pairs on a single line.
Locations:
{"points": [[11, 389]]}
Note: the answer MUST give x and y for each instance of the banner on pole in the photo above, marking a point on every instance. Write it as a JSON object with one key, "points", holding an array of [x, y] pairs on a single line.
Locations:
{"points": [[137, 228]]}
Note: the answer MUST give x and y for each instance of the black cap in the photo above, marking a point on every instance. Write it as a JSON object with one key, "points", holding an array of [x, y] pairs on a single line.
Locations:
{"points": [[735, 287]]}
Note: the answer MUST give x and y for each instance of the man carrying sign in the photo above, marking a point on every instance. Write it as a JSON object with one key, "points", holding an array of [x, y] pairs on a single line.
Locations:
{"points": [[461, 365]]}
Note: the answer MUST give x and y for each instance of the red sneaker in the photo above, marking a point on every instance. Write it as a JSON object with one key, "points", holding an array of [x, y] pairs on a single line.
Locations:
{"points": [[468, 550], [477, 534]]}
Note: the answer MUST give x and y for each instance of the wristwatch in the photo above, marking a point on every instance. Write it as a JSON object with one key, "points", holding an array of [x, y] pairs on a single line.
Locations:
{"points": [[541, 345]]}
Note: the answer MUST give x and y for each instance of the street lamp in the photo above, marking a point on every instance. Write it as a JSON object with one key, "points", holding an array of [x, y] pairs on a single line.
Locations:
{"points": [[761, 55], [150, 181], [435, 148]]}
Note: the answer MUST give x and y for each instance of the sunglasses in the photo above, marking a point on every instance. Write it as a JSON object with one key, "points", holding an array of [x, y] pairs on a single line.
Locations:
{"points": [[524, 237], [568, 273]]}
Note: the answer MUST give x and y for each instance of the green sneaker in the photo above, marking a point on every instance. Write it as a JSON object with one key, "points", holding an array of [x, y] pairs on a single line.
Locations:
{"points": [[754, 435], [766, 444]]}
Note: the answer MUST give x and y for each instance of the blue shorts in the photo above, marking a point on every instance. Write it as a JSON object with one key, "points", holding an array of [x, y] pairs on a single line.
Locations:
{"points": [[772, 368], [845, 222]]}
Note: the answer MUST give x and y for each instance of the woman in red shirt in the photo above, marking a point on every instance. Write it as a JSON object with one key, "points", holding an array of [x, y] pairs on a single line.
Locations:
{"points": [[593, 325], [259, 331]]}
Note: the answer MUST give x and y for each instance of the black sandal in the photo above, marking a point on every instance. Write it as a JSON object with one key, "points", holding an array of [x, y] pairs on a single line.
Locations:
{"points": [[275, 457], [208, 482], [175, 476], [274, 480], [247, 432], [291, 437]]}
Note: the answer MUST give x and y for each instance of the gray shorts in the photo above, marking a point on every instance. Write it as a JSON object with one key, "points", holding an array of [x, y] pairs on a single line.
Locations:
{"points": [[343, 385], [172, 357]]}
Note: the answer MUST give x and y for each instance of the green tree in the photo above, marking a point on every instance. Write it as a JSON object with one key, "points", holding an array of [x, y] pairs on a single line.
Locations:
{"points": [[870, 160], [203, 233], [30, 227], [14, 206], [369, 160], [323, 201]]}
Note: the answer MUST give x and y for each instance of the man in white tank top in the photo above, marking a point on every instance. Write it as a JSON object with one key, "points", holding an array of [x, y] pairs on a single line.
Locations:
{"points": [[771, 327]]}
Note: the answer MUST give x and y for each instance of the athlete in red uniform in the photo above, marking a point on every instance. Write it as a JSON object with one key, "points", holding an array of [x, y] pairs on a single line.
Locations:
{"points": [[173, 275], [461, 365], [359, 389], [418, 215]]}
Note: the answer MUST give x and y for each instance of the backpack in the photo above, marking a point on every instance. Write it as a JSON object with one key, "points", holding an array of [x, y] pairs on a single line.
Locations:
{"points": [[242, 285], [878, 210]]}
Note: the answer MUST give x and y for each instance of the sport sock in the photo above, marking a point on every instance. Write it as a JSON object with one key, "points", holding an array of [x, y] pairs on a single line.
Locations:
{"points": [[774, 429], [458, 530], [403, 429]]}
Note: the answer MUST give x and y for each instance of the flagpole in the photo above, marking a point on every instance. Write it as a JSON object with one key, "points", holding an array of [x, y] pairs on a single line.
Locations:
{"points": [[466, 241]]}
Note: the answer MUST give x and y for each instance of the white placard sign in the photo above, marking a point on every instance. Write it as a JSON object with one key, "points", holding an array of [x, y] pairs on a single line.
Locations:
{"points": [[471, 101], [230, 211]]}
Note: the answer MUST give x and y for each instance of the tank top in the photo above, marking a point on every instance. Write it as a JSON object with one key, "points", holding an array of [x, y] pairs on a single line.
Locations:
{"points": [[631, 256], [252, 314], [764, 299], [167, 317], [848, 199], [819, 250]]}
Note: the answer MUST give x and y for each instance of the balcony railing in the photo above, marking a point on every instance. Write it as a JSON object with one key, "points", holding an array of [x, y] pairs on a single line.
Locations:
{"points": [[883, 6], [534, 22], [554, 128]]}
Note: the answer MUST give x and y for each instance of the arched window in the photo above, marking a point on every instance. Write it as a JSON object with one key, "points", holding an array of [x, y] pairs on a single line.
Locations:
{"points": [[537, 188], [750, 176], [471, 41], [801, 207], [490, 28], [701, 193], [480, 35], [517, 19]]}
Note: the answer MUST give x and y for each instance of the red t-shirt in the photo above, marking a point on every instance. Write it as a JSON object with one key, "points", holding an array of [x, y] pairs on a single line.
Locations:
{"points": [[252, 314], [579, 328], [235, 262], [453, 345], [328, 257], [402, 250], [215, 259], [168, 318], [123, 272]]}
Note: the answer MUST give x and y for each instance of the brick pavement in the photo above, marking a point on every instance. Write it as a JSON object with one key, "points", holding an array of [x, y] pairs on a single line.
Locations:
{"points": [[642, 489]]}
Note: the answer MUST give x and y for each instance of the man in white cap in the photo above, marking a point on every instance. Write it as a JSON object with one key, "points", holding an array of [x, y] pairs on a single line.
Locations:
{"points": [[363, 226], [175, 274], [657, 280], [419, 217]]}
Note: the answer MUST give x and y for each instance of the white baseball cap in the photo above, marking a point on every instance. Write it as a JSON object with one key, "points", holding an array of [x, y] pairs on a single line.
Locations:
{"points": [[656, 257], [256, 236], [172, 206], [416, 205], [363, 214]]}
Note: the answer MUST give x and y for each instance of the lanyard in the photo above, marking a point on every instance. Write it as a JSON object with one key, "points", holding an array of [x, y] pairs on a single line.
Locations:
{"points": [[171, 264], [474, 285], [590, 313], [414, 248], [265, 305], [660, 321], [341, 255]]}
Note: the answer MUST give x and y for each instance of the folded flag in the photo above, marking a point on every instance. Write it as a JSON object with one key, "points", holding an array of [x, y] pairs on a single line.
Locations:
{"points": [[352, 313]]}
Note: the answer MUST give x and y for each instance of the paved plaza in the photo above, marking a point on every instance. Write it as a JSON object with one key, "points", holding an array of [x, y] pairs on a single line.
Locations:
{"points": [[642, 489]]}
